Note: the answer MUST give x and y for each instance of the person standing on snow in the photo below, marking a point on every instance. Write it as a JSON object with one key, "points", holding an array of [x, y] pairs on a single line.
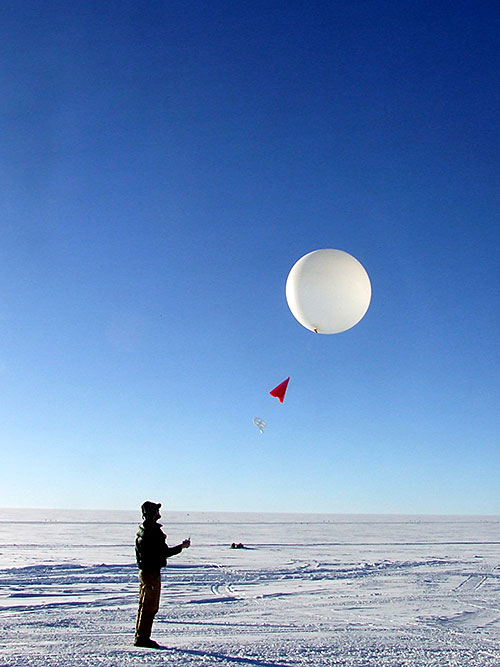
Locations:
{"points": [[151, 552]]}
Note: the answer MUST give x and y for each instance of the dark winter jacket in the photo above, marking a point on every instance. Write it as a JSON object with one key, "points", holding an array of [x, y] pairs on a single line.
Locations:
{"points": [[151, 549]]}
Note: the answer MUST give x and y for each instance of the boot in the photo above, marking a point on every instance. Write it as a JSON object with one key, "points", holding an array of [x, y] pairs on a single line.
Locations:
{"points": [[146, 643]]}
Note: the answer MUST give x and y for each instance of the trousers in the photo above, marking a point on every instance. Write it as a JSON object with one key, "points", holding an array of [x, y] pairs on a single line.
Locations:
{"points": [[149, 603]]}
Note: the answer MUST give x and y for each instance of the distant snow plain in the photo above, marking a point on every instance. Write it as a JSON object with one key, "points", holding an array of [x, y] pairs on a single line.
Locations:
{"points": [[306, 590]]}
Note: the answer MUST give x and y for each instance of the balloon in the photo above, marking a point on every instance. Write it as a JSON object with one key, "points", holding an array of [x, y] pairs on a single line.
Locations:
{"points": [[328, 291], [260, 424]]}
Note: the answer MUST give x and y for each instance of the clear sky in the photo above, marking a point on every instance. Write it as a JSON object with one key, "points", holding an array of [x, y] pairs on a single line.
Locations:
{"points": [[163, 165]]}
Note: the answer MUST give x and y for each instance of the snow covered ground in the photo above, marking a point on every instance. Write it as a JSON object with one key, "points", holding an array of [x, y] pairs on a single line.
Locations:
{"points": [[306, 590]]}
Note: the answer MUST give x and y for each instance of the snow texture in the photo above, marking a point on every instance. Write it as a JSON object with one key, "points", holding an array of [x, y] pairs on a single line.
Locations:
{"points": [[305, 590]]}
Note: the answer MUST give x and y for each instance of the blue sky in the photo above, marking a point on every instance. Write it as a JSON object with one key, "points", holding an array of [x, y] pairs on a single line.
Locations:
{"points": [[163, 166]]}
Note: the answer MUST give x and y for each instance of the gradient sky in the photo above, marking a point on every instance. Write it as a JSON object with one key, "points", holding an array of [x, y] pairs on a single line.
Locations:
{"points": [[163, 166]]}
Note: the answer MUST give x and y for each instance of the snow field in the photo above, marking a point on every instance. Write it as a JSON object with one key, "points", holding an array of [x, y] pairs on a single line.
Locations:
{"points": [[306, 590]]}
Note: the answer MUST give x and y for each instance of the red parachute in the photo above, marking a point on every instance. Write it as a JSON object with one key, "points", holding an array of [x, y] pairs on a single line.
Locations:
{"points": [[280, 391]]}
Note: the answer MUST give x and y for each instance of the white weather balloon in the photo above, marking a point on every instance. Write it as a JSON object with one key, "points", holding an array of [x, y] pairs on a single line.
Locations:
{"points": [[328, 291]]}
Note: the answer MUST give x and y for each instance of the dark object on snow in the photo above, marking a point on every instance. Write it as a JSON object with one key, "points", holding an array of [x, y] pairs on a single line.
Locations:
{"points": [[237, 546]]}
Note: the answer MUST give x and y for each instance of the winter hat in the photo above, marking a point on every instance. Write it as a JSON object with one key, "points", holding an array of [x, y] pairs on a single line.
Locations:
{"points": [[149, 509]]}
